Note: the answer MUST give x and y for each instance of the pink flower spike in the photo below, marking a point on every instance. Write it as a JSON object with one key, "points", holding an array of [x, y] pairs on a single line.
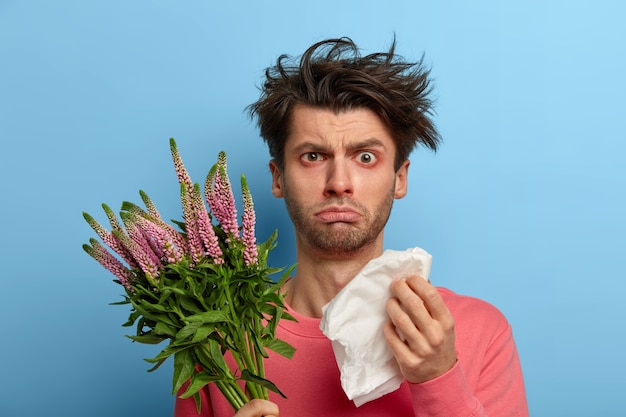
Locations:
{"points": [[191, 224], [110, 240], [250, 253], [220, 197], [209, 191], [115, 224], [177, 239], [154, 235], [152, 210], [136, 243], [173, 235], [181, 171], [165, 246], [141, 237], [205, 228], [110, 262]]}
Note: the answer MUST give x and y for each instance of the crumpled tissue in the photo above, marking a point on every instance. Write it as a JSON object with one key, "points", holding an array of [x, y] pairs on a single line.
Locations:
{"points": [[353, 320]]}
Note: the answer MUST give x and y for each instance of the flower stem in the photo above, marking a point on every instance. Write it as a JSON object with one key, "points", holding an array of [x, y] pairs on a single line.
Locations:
{"points": [[233, 393], [259, 364]]}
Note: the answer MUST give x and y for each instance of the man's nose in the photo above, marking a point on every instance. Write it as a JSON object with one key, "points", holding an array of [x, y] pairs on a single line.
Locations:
{"points": [[338, 179]]}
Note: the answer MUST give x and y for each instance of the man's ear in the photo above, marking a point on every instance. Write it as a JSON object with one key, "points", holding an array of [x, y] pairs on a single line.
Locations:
{"points": [[277, 179], [402, 180]]}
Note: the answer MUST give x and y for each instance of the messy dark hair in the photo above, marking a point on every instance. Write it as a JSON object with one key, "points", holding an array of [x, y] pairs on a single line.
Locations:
{"points": [[332, 74]]}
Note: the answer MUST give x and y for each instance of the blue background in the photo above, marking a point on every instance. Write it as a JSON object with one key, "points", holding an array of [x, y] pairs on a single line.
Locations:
{"points": [[523, 206]]}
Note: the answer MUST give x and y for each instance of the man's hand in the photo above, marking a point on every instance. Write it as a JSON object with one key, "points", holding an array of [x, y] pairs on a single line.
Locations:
{"points": [[421, 330], [258, 408]]}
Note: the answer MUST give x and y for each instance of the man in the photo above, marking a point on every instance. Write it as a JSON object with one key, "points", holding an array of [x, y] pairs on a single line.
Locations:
{"points": [[340, 128]]}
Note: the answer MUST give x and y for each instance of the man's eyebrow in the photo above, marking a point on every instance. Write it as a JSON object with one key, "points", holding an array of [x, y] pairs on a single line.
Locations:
{"points": [[309, 147], [365, 144], [352, 146]]}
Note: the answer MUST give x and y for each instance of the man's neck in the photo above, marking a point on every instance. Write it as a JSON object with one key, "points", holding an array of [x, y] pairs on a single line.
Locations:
{"points": [[320, 277]]}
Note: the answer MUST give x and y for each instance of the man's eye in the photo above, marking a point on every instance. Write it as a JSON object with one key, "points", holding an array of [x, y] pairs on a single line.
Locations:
{"points": [[312, 156], [366, 157]]}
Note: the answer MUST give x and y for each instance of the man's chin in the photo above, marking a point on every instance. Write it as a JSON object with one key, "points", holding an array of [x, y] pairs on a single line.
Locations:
{"points": [[338, 245]]}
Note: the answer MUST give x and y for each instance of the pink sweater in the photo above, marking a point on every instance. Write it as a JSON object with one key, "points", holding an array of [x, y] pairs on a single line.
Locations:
{"points": [[486, 381]]}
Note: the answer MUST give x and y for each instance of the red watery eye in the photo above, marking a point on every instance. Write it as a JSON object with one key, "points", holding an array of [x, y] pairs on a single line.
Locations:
{"points": [[312, 156], [366, 157]]}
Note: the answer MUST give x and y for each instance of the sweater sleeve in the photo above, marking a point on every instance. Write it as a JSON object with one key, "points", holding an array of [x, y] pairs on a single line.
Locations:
{"points": [[498, 392], [500, 387], [446, 395]]}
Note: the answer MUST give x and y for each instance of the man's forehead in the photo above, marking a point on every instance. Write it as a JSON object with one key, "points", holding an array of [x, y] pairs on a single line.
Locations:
{"points": [[318, 127]]}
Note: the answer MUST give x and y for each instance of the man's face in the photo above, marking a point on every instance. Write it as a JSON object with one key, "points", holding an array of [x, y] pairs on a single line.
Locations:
{"points": [[338, 179]]}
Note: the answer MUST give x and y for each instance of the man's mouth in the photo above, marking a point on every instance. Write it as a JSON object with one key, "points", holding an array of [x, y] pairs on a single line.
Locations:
{"points": [[338, 214]]}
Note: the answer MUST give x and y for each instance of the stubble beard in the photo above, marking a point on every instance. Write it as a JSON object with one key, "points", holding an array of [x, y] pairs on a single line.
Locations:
{"points": [[339, 238]]}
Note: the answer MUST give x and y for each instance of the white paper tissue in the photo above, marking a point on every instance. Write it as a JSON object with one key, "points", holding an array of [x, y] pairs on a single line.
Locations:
{"points": [[354, 321]]}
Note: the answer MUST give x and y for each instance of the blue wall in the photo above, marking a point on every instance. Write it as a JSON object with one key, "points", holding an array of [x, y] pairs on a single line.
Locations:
{"points": [[524, 205]]}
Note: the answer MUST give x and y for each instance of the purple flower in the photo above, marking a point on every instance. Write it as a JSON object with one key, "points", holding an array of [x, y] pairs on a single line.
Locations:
{"points": [[219, 195], [136, 243], [109, 238], [152, 210], [248, 238], [196, 247], [149, 244], [195, 221], [205, 228], [110, 262], [181, 171], [173, 236], [160, 240]]}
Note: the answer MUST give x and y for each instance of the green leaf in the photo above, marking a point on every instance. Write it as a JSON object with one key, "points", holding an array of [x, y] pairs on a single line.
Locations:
{"points": [[281, 347], [147, 338], [257, 343], [189, 304], [249, 377], [217, 357], [132, 318], [213, 316], [147, 310], [163, 329], [188, 330], [285, 276], [141, 323], [184, 365], [268, 245], [155, 306], [166, 353], [178, 291], [203, 332], [157, 365], [198, 380]]}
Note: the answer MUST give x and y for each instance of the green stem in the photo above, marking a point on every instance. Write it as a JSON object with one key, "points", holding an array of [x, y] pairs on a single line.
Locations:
{"points": [[233, 393], [259, 363], [238, 359], [257, 358], [249, 358], [244, 359], [228, 383], [241, 363]]}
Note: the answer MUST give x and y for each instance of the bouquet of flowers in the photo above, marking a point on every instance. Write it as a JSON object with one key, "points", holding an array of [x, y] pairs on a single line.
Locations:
{"points": [[204, 287]]}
